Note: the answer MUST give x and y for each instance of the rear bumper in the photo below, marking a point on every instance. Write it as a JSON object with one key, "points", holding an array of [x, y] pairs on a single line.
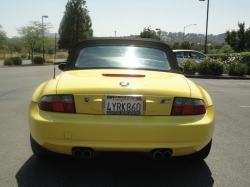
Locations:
{"points": [[60, 132]]}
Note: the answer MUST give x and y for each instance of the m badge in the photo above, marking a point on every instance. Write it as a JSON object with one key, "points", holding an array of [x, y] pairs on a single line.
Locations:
{"points": [[165, 101]]}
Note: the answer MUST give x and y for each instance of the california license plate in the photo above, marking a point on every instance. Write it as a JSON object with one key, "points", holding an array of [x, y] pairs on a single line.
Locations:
{"points": [[123, 104]]}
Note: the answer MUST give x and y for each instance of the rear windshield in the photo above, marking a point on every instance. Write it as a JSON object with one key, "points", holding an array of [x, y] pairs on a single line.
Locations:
{"points": [[122, 57]]}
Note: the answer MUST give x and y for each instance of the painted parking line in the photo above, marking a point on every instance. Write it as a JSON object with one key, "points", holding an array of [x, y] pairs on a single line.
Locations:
{"points": [[245, 106], [226, 91]]}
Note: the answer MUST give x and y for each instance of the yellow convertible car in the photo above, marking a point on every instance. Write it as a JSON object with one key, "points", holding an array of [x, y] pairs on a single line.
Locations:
{"points": [[117, 94]]}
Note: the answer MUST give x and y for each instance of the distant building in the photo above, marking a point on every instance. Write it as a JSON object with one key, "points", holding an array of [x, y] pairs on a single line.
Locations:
{"points": [[218, 47]]}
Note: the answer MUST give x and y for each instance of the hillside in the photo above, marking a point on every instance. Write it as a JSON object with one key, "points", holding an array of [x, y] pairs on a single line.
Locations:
{"points": [[172, 37], [193, 37]]}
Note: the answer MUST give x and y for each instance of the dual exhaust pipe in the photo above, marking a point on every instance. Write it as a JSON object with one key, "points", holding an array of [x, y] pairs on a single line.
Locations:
{"points": [[87, 153], [162, 154], [82, 153]]}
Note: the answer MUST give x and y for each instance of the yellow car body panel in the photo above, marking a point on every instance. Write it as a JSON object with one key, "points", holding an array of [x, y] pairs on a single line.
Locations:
{"points": [[89, 127], [155, 86], [60, 132], [198, 92], [46, 88]]}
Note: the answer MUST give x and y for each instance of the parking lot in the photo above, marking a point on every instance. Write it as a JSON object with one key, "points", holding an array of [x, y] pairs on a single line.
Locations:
{"points": [[227, 165]]}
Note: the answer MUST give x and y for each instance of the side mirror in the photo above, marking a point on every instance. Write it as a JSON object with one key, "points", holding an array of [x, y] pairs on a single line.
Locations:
{"points": [[181, 69], [61, 66]]}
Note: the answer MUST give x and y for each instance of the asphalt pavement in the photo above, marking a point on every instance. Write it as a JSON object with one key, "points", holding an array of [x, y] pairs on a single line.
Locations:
{"points": [[227, 165]]}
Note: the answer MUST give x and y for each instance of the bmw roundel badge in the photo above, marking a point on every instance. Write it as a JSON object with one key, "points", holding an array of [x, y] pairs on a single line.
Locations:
{"points": [[124, 84], [86, 99]]}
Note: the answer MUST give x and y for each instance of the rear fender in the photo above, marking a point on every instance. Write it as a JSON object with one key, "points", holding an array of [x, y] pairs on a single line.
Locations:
{"points": [[199, 92], [46, 88]]}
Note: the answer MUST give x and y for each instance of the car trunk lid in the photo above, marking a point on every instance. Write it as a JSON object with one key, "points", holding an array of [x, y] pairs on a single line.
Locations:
{"points": [[89, 88]]}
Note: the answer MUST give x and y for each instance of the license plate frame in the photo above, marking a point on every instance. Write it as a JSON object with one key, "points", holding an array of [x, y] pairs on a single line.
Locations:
{"points": [[123, 104]]}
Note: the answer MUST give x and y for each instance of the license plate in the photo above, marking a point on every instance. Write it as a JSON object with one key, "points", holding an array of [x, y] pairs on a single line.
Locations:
{"points": [[123, 104]]}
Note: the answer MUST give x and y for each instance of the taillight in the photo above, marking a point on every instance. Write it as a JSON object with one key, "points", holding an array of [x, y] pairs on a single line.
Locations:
{"points": [[188, 106], [57, 103]]}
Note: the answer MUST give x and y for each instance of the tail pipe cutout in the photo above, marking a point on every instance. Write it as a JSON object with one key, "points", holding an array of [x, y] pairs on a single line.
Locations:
{"points": [[159, 154], [82, 152]]}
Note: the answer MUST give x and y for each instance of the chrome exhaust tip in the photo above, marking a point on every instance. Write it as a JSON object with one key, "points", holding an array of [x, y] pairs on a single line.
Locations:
{"points": [[77, 153], [87, 154], [157, 155], [167, 155]]}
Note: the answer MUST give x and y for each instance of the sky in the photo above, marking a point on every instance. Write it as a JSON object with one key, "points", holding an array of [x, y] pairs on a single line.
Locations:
{"points": [[129, 17]]}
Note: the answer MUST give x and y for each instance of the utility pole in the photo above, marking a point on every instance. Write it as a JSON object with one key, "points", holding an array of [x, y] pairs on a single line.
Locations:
{"points": [[77, 21], [206, 27], [205, 51], [43, 33], [55, 46], [115, 33]]}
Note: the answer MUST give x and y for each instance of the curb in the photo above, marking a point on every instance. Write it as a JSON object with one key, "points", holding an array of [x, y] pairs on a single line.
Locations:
{"points": [[25, 65], [247, 77]]}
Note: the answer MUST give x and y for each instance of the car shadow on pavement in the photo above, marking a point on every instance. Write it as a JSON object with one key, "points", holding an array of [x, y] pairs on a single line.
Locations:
{"points": [[113, 169]]}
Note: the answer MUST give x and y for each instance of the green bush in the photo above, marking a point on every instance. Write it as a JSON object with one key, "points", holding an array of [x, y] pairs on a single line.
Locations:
{"points": [[210, 67], [24, 56], [226, 49], [245, 58], [237, 69], [49, 61], [16, 60], [8, 62], [190, 67], [39, 60]]}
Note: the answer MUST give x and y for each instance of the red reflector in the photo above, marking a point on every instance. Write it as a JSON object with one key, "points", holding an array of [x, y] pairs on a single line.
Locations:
{"points": [[200, 109], [188, 110], [177, 109], [69, 107], [46, 105], [122, 75], [58, 107]]}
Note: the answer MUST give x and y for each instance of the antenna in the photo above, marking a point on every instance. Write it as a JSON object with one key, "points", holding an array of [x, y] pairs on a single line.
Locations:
{"points": [[55, 58]]}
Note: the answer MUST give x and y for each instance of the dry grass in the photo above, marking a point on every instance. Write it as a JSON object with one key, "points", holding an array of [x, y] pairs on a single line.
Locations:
{"points": [[9, 56], [62, 53], [58, 54]]}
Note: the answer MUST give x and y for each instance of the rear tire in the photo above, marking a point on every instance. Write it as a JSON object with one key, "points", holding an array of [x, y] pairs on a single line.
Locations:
{"points": [[38, 150], [203, 153]]}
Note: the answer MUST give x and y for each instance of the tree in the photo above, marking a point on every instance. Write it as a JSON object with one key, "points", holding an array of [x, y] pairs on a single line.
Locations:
{"points": [[75, 26], [16, 47], [239, 40], [186, 45], [50, 45], [3, 36], [32, 35], [176, 45], [226, 49], [148, 33], [3, 49], [211, 50], [247, 35], [198, 47]]}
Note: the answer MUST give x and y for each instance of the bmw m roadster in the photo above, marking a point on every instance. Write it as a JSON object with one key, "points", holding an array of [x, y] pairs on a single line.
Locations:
{"points": [[117, 94]]}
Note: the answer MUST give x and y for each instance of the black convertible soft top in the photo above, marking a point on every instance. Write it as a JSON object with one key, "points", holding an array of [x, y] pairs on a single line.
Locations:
{"points": [[110, 41]]}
